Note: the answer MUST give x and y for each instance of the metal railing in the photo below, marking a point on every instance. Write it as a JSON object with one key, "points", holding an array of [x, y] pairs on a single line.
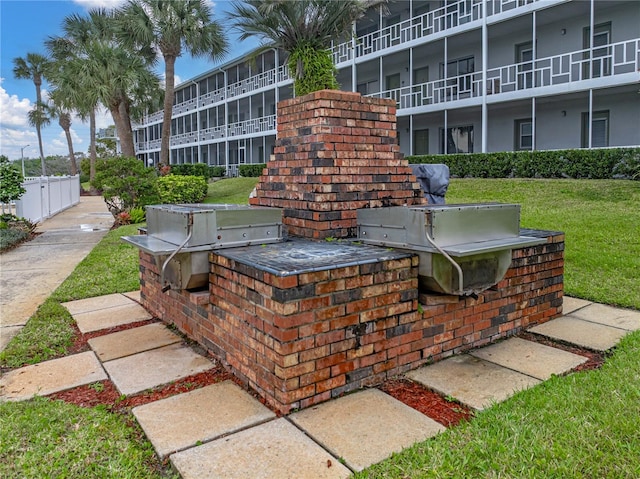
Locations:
{"points": [[607, 60], [255, 125]]}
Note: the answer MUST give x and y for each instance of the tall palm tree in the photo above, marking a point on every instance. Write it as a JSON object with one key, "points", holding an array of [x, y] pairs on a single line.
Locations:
{"points": [[39, 117], [59, 108], [32, 68], [171, 27], [304, 29], [117, 77]]}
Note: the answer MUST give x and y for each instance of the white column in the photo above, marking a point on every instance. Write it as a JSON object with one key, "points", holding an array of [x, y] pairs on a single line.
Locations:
{"points": [[590, 116], [485, 66]]}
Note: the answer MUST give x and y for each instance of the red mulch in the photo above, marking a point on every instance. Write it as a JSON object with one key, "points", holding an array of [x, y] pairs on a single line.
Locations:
{"points": [[594, 358], [428, 402]]}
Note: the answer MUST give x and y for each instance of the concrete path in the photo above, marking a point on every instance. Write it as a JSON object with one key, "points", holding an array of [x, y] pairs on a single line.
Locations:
{"points": [[222, 431], [33, 270]]}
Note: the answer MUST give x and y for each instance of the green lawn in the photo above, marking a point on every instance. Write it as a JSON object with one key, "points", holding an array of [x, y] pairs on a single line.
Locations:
{"points": [[601, 221], [586, 425]]}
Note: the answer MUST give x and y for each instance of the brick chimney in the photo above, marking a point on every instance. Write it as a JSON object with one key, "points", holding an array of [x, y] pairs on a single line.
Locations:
{"points": [[335, 152]]}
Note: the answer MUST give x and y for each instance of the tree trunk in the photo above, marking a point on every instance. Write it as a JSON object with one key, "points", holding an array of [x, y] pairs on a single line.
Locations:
{"points": [[123, 128], [42, 163], [126, 137], [169, 78], [92, 148], [37, 81], [65, 123]]}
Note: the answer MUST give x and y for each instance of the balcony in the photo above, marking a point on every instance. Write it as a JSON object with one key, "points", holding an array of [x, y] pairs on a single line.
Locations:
{"points": [[575, 68], [445, 18], [255, 125]]}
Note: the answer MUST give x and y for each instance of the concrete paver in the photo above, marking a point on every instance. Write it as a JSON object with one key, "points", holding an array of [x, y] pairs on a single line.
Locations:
{"points": [[569, 304], [472, 381], [136, 373], [530, 358], [586, 334], [132, 341], [51, 376], [184, 420], [111, 317], [134, 295], [365, 427], [609, 316], [33, 270], [276, 449], [94, 304]]}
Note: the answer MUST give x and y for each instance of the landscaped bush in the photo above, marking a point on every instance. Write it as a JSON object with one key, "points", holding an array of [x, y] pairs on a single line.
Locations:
{"points": [[603, 163], [217, 171], [125, 183], [252, 170], [198, 169], [182, 189]]}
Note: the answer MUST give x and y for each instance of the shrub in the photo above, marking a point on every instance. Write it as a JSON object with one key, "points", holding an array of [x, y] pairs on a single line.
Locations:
{"points": [[253, 170], [197, 169], [602, 163], [10, 237], [125, 183], [10, 180], [182, 189], [217, 171], [137, 215]]}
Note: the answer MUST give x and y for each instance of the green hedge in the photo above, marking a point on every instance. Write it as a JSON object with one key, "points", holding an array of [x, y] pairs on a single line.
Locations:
{"points": [[182, 189], [593, 164], [252, 170], [198, 169]]}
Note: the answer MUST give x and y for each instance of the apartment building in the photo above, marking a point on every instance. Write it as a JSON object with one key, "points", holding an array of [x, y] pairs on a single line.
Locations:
{"points": [[467, 76]]}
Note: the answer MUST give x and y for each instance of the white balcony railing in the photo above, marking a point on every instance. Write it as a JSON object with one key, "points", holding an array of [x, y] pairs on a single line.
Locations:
{"points": [[212, 97], [184, 138], [607, 60], [213, 133], [252, 83], [255, 125], [444, 18]]}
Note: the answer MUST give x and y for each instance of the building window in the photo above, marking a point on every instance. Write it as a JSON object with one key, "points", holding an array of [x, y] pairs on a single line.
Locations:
{"points": [[393, 81], [367, 87], [459, 77], [599, 129], [459, 140], [601, 59], [421, 142], [524, 134], [524, 60], [421, 9], [420, 75]]}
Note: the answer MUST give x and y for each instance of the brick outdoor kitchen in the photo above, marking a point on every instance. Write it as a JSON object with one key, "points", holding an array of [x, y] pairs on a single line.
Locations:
{"points": [[305, 337]]}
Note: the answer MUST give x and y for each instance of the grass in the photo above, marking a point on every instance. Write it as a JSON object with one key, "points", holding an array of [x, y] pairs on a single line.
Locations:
{"points": [[601, 221], [585, 425], [581, 426], [111, 267], [231, 190], [42, 438]]}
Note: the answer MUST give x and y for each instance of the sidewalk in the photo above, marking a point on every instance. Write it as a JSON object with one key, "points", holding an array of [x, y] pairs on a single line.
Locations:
{"points": [[33, 270], [222, 431]]}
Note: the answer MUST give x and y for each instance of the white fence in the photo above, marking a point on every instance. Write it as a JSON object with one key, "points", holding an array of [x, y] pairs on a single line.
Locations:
{"points": [[47, 196]]}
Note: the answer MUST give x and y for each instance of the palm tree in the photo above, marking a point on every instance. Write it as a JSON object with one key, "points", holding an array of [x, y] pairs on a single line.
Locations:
{"points": [[304, 29], [32, 68], [59, 108], [101, 68], [39, 117], [171, 27]]}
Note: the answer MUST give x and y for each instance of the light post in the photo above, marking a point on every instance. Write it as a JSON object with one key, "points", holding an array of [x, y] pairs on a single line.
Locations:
{"points": [[22, 157]]}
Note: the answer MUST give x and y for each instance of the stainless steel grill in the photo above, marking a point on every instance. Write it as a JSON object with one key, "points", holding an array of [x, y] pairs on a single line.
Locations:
{"points": [[181, 236], [463, 249]]}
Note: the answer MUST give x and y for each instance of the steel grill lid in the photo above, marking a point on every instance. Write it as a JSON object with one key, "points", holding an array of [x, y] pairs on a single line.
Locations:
{"points": [[201, 227]]}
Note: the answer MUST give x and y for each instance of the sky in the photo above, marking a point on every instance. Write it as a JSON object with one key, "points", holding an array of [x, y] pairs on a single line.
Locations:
{"points": [[24, 27]]}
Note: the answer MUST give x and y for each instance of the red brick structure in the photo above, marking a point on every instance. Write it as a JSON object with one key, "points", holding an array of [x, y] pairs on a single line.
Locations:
{"points": [[336, 152], [302, 338]]}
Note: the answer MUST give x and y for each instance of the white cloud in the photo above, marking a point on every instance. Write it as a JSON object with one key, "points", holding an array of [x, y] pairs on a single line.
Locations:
{"points": [[89, 4], [13, 111]]}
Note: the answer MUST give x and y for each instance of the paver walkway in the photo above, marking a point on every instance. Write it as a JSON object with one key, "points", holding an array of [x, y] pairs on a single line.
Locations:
{"points": [[222, 431], [32, 271]]}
